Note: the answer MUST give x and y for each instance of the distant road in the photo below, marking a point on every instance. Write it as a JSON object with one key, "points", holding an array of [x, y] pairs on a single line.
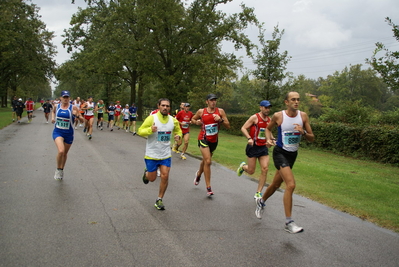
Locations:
{"points": [[102, 214]]}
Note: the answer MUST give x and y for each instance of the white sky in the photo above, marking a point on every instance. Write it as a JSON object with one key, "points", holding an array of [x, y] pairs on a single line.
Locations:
{"points": [[322, 36]]}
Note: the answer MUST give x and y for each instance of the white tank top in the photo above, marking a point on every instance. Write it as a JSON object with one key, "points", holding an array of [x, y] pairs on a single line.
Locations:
{"points": [[90, 109], [288, 138], [158, 143]]}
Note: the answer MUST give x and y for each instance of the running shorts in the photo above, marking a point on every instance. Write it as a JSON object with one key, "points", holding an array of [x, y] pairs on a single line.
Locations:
{"points": [[153, 164], [256, 151], [206, 143], [68, 137], [283, 158]]}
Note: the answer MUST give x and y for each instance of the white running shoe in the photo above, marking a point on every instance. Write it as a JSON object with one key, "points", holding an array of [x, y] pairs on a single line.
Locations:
{"points": [[158, 173], [260, 208], [59, 175], [292, 228]]}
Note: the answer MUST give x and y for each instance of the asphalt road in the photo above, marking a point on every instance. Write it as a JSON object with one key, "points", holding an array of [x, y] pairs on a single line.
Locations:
{"points": [[102, 214]]}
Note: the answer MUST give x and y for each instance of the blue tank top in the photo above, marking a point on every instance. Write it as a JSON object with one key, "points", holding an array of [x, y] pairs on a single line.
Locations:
{"points": [[64, 119]]}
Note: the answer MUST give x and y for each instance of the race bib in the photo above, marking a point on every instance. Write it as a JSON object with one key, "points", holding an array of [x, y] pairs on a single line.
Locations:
{"points": [[111, 113], [185, 125], [262, 134], [211, 129], [62, 123], [164, 137], [291, 138]]}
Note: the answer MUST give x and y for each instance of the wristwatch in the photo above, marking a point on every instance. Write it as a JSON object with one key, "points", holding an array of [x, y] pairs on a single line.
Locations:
{"points": [[304, 132]]}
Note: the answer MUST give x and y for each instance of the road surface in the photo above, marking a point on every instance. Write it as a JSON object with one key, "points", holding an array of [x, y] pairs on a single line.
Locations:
{"points": [[102, 214]]}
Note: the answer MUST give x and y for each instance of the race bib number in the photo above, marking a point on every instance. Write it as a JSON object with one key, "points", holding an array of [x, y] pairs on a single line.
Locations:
{"points": [[62, 123], [164, 136], [211, 129], [262, 134], [185, 125], [291, 138], [111, 113]]}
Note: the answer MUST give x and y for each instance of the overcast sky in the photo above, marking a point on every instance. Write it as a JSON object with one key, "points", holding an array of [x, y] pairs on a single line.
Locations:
{"points": [[322, 36]]}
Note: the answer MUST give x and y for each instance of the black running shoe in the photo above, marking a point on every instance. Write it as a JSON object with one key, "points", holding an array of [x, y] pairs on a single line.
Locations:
{"points": [[145, 180]]}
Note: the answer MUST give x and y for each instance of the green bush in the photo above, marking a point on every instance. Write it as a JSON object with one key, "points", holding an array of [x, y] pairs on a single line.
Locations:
{"points": [[379, 143]]}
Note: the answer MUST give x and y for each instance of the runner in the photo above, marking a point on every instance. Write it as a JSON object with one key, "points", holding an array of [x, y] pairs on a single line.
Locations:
{"points": [[292, 125], [118, 109], [89, 116], [159, 129], [63, 117], [175, 144], [14, 103], [184, 118], [77, 104], [100, 107], [47, 107], [30, 106], [19, 109], [210, 119], [133, 118], [111, 113], [125, 117], [82, 113], [256, 145]]}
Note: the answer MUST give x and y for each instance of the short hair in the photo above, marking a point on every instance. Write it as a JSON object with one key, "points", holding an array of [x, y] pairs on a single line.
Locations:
{"points": [[287, 95], [163, 99]]}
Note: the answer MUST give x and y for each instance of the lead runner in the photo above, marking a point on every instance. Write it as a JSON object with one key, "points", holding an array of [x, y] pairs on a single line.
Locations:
{"points": [[63, 118]]}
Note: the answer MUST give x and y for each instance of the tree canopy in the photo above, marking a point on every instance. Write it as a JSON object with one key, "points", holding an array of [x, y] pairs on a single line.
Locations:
{"points": [[387, 65], [26, 51]]}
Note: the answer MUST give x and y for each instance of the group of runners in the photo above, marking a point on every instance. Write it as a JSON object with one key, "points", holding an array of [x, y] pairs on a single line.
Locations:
{"points": [[161, 130], [18, 107], [116, 114]]}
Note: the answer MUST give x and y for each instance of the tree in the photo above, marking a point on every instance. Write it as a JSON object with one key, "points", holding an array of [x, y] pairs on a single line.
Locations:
{"points": [[271, 64], [387, 66], [352, 84], [141, 40], [26, 51]]}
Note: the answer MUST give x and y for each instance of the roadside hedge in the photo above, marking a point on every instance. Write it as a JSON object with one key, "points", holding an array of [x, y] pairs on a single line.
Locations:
{"points": [[379, 143]]}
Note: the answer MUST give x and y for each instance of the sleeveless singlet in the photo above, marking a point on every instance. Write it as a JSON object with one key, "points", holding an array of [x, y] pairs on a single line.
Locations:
{"points": [[158, 144], [258, 131], [288, 138], [210, 128]]}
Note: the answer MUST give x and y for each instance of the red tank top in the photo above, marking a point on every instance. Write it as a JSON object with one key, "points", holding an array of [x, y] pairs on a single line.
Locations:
{"points": [[258, 131], [210, 127]]}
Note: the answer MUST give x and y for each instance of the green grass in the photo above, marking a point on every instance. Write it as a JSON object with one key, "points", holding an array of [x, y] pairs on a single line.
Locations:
{"points": [[6, 117], [362, 188]]}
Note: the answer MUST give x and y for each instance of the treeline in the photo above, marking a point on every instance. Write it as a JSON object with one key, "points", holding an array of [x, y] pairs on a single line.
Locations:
{"points": [[26, 52]]}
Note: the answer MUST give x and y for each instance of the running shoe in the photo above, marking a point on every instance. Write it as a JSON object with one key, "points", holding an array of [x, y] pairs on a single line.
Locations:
{"points": [[101, 128], [159, 204], [183, 156], [257, 195], [89, 136], [209, 191], [58, 175], [84, 130], [145, 180], [112, 129], [174, 149], [292, 228], [260, 208], [240, 170], [158, 172], [197, 178], [134, 133]]}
